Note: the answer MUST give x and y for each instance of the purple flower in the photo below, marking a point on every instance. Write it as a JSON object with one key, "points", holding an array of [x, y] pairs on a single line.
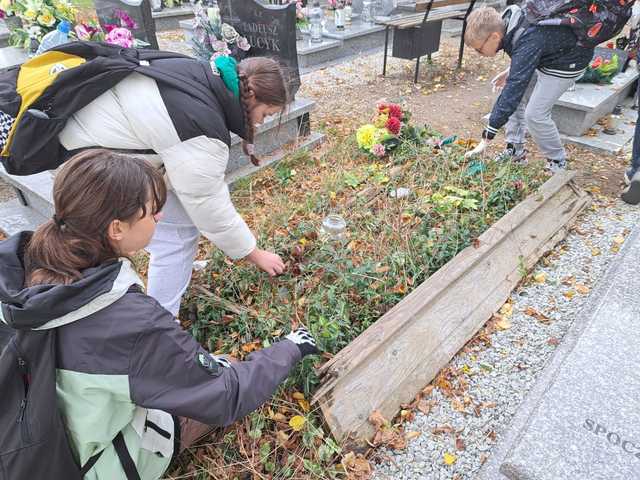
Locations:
{"points": [[120, 36]]}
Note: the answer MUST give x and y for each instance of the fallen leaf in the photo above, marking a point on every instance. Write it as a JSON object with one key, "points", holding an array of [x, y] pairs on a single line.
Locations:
{"points": [[569, 294], [582, 289], [304, 405], [503, 324], [298, 395], [460, 444], [282, 437], [279, 417], [442, 429], [297, 422], [449, 458], [532, 312], [553, 341], [540, 277], [595, 251], [457, 405], [506, 309], [618, 239], [377, 419], [424, 406], [412, 435], [384, 269]]}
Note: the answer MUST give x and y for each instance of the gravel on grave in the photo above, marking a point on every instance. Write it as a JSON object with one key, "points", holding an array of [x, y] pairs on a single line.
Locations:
{"points": [[500, 376]]}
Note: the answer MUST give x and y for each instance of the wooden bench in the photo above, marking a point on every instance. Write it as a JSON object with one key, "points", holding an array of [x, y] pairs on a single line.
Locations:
{"points": [[413, 32]]}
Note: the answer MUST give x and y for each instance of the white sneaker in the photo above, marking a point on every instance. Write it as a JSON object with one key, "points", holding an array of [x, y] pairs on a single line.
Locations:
{"points": [[555, 166]]}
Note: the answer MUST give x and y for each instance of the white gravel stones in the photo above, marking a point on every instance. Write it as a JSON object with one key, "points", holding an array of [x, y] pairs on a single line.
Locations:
{"points": [[503, 373]]}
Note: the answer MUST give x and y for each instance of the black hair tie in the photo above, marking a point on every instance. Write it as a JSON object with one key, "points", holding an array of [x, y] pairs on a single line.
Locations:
{"points": [[59, 222]]}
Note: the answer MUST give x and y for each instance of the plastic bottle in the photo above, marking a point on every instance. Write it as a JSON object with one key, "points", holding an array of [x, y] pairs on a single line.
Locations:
{"points": [[315, 19], [57, 37]]}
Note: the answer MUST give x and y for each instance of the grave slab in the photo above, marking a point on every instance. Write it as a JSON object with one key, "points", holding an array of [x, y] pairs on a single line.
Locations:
{"points": [[15, 217], [598, 141], [10, 56], [578, 110], [312, 54], [170, 18], [358, 38], [581, 420]]}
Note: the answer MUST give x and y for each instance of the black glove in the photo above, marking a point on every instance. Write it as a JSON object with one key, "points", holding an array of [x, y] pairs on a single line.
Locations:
{"points": [[305, 342]]}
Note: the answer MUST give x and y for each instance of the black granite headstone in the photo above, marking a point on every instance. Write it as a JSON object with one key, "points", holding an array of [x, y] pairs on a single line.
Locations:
{"points": [[270, 30], [138, 10]]}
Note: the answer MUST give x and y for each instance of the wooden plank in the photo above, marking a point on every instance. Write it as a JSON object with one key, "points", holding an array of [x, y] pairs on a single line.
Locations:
{"points": [[414, 20], [421, 6], [391, 361]]}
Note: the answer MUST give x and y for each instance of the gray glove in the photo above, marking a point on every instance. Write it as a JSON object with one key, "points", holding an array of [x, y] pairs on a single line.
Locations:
{"points": [[305, 342]]}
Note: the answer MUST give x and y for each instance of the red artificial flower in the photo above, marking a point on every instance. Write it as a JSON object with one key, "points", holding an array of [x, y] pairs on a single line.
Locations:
{"points": [[610, 45], [395, 111], [593, 8], [394, 125]]}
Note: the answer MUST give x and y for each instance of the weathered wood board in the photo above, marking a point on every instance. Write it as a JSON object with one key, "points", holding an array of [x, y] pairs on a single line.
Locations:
{"points": [[390, 362]]}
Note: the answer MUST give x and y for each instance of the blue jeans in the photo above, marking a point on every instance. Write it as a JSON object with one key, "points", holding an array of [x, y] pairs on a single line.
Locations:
{"points": [[635, 154]]}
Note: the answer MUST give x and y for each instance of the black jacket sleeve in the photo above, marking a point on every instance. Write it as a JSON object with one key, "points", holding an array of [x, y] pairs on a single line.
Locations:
{"points": [[170, 371], [525, 58]]}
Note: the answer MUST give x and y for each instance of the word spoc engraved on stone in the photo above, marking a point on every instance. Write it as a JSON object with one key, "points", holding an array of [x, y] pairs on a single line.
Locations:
{"points": [[614, 438]]}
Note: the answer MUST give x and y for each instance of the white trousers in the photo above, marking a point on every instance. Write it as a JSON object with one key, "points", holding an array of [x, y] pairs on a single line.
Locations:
{"points": [[173, 249]]}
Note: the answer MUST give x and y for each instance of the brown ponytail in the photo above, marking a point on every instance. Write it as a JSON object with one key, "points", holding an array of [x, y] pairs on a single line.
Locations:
{"points": [[266, 79], [91, 190]]}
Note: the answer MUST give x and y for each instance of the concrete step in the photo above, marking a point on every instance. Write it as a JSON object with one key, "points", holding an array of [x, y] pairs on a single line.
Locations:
{"points": [[15, 217], [170, 18], [578, 110], [581, 420]]}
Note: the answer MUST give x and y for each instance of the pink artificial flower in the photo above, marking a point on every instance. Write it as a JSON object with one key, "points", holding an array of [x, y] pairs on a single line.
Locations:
{"points": [[218, 45], [243, 44], [125, 20], [120, 36], [224, 53], [83, 32], [108, 27], [378, 150], [2, 14]]}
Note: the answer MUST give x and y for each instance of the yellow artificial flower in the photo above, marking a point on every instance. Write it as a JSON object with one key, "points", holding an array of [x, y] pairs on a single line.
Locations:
{"points": [[46, 19], [367, 136], [381, 121], [30, 14], [5, 5]]}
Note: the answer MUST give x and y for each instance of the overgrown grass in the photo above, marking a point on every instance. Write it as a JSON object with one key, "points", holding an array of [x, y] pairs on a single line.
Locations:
{"points": [[337, 288]]}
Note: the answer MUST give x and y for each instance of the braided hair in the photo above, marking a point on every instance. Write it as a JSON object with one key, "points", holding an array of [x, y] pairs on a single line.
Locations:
{"points": [[264, 79]]}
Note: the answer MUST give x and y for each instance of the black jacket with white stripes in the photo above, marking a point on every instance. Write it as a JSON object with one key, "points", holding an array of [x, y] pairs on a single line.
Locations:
{"points": [[550, 49]]}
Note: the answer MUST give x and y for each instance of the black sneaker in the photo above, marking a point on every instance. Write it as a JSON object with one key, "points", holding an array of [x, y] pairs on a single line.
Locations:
{"points": [[631, 194], [512, 154]]}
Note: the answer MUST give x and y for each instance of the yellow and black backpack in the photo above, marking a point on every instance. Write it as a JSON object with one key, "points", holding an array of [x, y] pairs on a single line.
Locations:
{"points": [[38, 97]]}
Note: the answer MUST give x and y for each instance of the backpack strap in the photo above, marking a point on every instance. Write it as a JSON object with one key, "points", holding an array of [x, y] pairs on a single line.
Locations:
{"points": [[90, 463], [126, 461]]}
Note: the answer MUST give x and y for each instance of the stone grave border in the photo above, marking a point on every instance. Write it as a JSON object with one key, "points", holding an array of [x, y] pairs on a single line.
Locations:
{"points": [[391, 361]]}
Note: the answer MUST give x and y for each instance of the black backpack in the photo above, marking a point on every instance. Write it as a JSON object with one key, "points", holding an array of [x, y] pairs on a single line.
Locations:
{"points": [[38, 97], [33, 441], [593, 21]]}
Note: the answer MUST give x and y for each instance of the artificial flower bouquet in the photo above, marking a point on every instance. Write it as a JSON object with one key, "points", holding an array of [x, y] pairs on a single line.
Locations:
{"points": [[119, 31], [213, 39], [390, 126], [38, 18]]}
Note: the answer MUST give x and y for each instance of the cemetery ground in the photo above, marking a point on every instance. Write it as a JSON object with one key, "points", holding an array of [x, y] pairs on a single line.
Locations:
{"points": [[392, 246]]}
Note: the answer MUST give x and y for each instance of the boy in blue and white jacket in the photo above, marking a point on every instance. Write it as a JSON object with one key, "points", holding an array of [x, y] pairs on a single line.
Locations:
{"points": [[545, 62]]}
